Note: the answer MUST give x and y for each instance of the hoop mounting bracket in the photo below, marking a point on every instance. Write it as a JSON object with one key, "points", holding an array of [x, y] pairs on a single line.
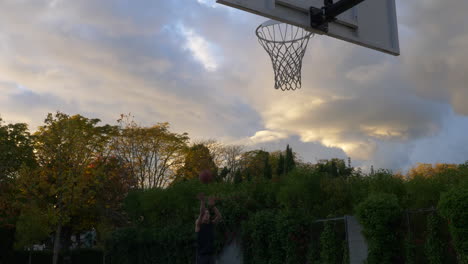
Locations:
{"points": [[320, 17]]}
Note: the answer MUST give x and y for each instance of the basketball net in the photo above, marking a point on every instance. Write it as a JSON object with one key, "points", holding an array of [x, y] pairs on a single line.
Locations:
{"points": [[286, 44]]}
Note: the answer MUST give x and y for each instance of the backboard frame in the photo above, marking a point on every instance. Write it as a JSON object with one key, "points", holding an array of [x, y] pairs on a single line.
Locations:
{"points": [[371, 24]]}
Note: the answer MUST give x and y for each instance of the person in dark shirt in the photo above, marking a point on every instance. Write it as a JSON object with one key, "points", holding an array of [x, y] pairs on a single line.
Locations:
{"points": [[204, 227]]}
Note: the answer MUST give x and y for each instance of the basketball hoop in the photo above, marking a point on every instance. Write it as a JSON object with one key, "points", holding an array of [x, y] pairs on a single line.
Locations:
{"points": [[286, 44]]}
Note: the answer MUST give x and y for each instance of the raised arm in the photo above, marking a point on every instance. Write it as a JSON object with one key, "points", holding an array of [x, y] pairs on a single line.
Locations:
{"points": [[211, 203], [200, 197]]}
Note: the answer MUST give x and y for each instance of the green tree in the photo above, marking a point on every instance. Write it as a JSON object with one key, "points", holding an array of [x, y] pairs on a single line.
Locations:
{"points": [[197, 159], [267, 171], [334, 168], [34, 225], [453, 206], [280, 168], [255, 164], [231, 157], [16, 149], [330, 247], [224, 174], [65, 146], [289, 163], [434, 247], [153, 154], [237, 177], [380, 217], [16, 152]]}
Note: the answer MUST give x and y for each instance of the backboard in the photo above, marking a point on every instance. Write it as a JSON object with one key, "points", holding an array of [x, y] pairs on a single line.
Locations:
{"points": [[371, 23]]}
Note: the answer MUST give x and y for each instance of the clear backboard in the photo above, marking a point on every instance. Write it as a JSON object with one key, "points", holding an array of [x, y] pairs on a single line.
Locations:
{"points": [[371, 23]]}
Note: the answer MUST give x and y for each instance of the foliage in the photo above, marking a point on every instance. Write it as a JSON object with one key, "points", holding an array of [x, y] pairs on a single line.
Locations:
{"points": [[428, 170], [453, 206], [34, 225], [81, 173], [410, 249], [65, 146], [16, 149], [380, 216], [231, 159], [153, 154], [301, 190], [422, 192], [280, 167], [434, 247], [289, 162], [197, 159], [330, 245], [383, 181], [276, 236], [256, 164], [334, 168]]}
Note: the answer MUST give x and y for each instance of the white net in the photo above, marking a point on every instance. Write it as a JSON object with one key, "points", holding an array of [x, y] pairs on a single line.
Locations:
{"points": [[286, 44]]}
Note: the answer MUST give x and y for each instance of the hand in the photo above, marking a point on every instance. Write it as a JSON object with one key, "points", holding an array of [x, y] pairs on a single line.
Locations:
{"points": [[211, 200], [201, 196]]}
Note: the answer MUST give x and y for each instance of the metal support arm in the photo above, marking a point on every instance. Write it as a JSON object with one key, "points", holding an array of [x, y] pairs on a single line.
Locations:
{"points": [[319, 18]]}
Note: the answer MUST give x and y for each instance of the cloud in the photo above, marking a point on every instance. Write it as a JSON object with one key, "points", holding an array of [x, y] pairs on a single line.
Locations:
{"points": [[211, 78], [267, 136], [435, 59], [200, 48]]}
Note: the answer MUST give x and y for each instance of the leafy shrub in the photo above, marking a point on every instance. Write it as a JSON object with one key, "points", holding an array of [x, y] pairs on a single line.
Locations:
{"points": [[453, 206], [301, 189], [276, 236], [434, 247], [380, 216], [383, 181], [330, 245]]}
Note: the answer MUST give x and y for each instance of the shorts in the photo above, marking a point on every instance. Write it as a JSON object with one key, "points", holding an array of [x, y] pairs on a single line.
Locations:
{"points": [[205, 259]]}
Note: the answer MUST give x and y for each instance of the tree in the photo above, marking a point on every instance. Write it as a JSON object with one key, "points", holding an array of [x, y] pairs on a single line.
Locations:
{"points": [[65, 147], [15, 149], [429, 170], [289, 163], [232, 159], [216, 151], [267, 171], [228, 156], [280, 168], [223, 174], [255, 164], [237, 177], [197, 159], [334, 167], [154, 154]]}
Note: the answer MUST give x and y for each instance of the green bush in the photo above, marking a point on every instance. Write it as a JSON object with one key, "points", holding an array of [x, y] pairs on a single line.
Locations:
{"points": [[383, 181], [410, 249], [422, 192], [380, 217], [434, 247], [301, 190], [274, 218], [259, 236], [453, 206], [330, 245], [276, 236]]}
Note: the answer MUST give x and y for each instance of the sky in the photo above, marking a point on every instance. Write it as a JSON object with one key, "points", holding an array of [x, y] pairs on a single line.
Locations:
{"points": [[198, 65]]}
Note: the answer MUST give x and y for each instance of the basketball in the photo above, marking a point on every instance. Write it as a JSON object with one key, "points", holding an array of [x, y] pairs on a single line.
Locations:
{"points": [[205, 176]]}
